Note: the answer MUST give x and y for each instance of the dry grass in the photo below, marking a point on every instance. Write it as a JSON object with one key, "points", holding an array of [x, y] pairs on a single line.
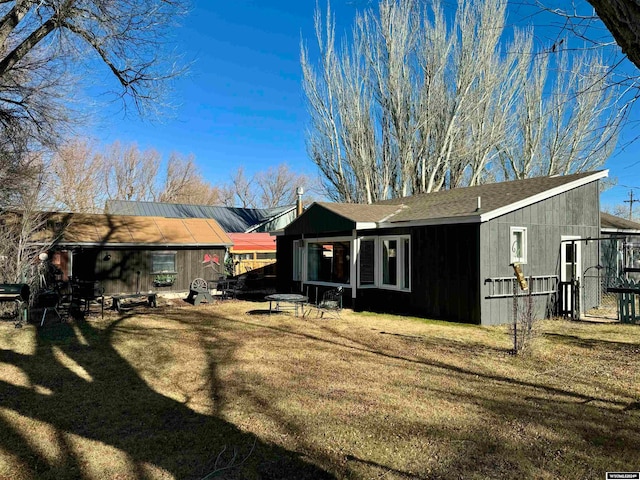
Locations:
{"points": [[158, 394]]}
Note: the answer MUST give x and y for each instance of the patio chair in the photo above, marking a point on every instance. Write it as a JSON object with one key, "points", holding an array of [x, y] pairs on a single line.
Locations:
{"points": [[331, 303], [84, 292]]}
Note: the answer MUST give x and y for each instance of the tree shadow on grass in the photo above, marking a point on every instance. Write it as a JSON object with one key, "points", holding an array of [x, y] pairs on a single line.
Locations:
{"points": [[577, 341], [357, 344], [517, 428], [83, 389]]}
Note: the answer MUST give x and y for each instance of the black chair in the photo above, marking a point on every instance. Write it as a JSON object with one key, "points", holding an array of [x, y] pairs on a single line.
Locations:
{"points": [[84, 292], [331, 303]]}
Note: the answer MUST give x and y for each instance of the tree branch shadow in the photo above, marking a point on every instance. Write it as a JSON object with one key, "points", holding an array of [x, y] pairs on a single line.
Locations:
{"points": [[113, 405]]}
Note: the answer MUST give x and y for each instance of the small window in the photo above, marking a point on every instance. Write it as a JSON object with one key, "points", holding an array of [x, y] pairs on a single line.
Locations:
{"points": [[395, 257], [389, 262], [163, 262], [518, 244], [266, 255]]}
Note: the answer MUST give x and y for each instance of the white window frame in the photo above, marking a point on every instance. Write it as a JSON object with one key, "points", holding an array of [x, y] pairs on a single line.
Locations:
{"points": [[402, 252], [522, 259], [305, 266]]}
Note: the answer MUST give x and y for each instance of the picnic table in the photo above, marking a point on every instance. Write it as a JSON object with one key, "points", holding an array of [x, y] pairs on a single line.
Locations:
{"points": [[294, 301]]}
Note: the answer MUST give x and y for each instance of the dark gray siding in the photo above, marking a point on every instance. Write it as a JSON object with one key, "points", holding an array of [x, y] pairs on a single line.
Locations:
{"points": [[284, 264], [444, 276], [575, 212], [116, 268]]}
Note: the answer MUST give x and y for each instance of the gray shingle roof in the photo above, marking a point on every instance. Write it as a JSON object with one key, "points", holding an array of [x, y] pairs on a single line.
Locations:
{"points": [[460, 204], [617, 223], [362, 212], [231, 219]]}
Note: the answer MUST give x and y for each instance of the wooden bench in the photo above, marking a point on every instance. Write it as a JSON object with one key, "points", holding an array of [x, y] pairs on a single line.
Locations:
{"points": [[151, 297]]}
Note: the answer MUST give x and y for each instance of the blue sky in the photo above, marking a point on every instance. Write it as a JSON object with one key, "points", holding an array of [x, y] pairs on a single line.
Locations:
{"points": [[241, 104]]}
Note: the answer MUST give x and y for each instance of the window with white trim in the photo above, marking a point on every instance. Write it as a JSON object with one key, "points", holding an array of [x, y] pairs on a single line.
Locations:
{"points": [[395, 262], [518, 244], [328, 261]]}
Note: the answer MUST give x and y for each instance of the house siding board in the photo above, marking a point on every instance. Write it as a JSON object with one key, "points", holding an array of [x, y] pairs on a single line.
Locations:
{"points": [[277, 223], [572, 213]]}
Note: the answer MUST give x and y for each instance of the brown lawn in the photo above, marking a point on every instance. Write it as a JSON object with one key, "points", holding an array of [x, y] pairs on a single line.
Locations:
{"points": [[183, 392]]}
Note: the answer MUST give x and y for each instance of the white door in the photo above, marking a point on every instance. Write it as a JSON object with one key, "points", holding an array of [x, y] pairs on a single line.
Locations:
{"points": [[570, 262]]}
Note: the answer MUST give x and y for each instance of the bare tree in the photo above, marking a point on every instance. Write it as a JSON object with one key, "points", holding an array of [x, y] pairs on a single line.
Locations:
{"points": [[45, 45], [240, 191], [269, 188], [412, 104], [82, 177], [620, 210], [620, 17], [54, 36], [77, 178], [569, 129], [131, 173], [22, 219], [183, 183], [277, 185]]}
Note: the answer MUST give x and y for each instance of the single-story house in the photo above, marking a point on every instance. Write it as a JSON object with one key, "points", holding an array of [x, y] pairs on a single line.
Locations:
{"points": [[136, 253], [448, 254], [254, 251]]}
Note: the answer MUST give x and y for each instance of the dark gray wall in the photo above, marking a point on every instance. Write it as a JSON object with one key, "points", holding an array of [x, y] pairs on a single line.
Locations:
{"points": [[444, 276], [118, 272], [576, 212]]}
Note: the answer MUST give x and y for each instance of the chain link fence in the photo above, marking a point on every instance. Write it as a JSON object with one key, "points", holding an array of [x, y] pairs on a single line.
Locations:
{"points": [[619, 263]]}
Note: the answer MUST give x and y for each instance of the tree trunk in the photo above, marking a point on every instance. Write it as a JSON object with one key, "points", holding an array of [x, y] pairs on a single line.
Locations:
{"points": [[622, 19]]}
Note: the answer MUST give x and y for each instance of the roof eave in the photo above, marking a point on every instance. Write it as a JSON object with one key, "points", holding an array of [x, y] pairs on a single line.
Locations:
{"points": [[129, 244], [431, 221], [366, 225], [270, 219], [619, 230]]}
